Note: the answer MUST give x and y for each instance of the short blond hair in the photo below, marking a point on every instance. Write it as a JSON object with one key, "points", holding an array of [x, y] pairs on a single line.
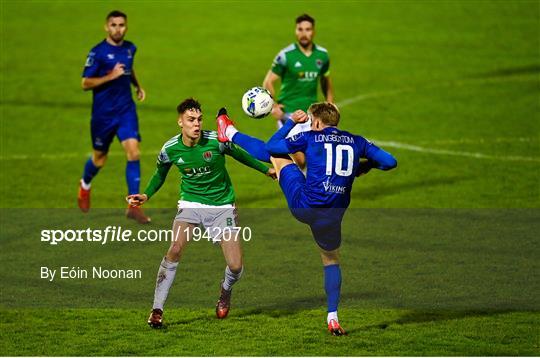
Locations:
{"points": [[327, 112]]}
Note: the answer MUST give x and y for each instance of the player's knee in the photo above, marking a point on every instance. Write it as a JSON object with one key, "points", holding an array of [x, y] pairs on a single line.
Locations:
{"points": [[330, 257], [175, 251], [99, 159], [133, 154]]}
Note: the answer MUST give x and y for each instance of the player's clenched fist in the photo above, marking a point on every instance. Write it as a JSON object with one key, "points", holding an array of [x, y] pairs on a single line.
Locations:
{"points": [[118, 70], [299, 116]]}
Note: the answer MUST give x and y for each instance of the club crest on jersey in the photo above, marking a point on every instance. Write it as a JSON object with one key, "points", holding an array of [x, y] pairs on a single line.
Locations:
{"points": [[319, 63], [162, 156], [110, 56], [207, 156]]}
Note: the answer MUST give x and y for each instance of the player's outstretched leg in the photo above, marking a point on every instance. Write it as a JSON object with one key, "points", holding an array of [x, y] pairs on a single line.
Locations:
{"points": [[228, 133], [167, 271], [91, 169]]}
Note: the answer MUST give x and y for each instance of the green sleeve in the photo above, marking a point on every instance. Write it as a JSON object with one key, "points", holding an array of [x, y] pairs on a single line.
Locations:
{"points": [[158, 178], [325, 70], [244, 157]]}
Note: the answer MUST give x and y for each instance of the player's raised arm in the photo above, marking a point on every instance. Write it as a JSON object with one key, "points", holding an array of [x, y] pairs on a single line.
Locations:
{"points": [[278, 144], [245, 158]]}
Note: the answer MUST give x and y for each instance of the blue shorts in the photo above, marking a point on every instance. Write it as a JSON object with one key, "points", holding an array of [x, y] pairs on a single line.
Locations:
{"points": [[325, 223], [124, 125]]}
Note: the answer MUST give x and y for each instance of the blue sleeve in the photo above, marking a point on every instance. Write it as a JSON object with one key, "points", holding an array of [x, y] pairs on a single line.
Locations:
{"points": [[378, 158], [91, 66], [278, 144], [298, 142]]}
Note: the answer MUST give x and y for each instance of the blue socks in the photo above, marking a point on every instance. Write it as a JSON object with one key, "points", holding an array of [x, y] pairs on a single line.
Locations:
{"points": [[332, 286], [133, 176], [90, 171], [252, 145]]}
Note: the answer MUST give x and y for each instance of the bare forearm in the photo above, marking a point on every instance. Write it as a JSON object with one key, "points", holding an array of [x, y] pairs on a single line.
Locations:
{"points": [[327, 89], [269, 82], [134, 80], [270, 87]]}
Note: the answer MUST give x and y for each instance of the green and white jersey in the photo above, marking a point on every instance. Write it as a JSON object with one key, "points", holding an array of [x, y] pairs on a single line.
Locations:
{"points": [[202, 168], [300, 75]]}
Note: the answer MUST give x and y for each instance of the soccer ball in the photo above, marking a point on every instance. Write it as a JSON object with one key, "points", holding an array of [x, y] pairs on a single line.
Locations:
{"points": [[257, 102]]}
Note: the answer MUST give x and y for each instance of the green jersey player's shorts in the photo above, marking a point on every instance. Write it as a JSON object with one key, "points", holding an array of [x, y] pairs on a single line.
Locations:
{"points": [[217, 221]]}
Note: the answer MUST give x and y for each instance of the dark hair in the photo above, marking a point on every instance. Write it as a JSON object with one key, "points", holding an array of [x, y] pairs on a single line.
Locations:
{"points": [[327, 112], [116, 13], [189, 103], [305, 17]]}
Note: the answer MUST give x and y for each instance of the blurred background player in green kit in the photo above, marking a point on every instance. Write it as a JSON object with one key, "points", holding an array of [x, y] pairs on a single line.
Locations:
{"points": [[299, 66]]}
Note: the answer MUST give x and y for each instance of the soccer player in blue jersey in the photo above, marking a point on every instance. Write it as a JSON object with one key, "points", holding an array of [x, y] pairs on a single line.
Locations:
{"points": [[320, 198], [109, 73]]}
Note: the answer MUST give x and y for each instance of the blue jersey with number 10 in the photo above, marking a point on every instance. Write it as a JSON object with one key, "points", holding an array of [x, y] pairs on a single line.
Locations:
{"points": [[332, 158]]}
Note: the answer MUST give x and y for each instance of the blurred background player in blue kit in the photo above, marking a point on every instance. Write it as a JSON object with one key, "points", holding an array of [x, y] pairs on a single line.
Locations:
{"points": [[109, 73]]}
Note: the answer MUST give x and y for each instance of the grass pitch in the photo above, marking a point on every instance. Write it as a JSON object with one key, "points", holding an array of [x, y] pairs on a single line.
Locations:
{"points": [[450, 88]]}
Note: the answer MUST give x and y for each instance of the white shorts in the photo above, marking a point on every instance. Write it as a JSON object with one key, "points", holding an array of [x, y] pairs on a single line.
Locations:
{"points": [[214, 219], [299, 128]]}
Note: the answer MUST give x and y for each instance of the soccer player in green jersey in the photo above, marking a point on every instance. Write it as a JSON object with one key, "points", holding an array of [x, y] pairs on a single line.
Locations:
{"points": [[299, 66], [206, 198]]}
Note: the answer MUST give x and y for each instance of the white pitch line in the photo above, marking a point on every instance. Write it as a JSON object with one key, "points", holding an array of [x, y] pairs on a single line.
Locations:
{"points": [[390, 144], [347, 102], [65, 155], [480, 141], [416, 148], [455, 83]]}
